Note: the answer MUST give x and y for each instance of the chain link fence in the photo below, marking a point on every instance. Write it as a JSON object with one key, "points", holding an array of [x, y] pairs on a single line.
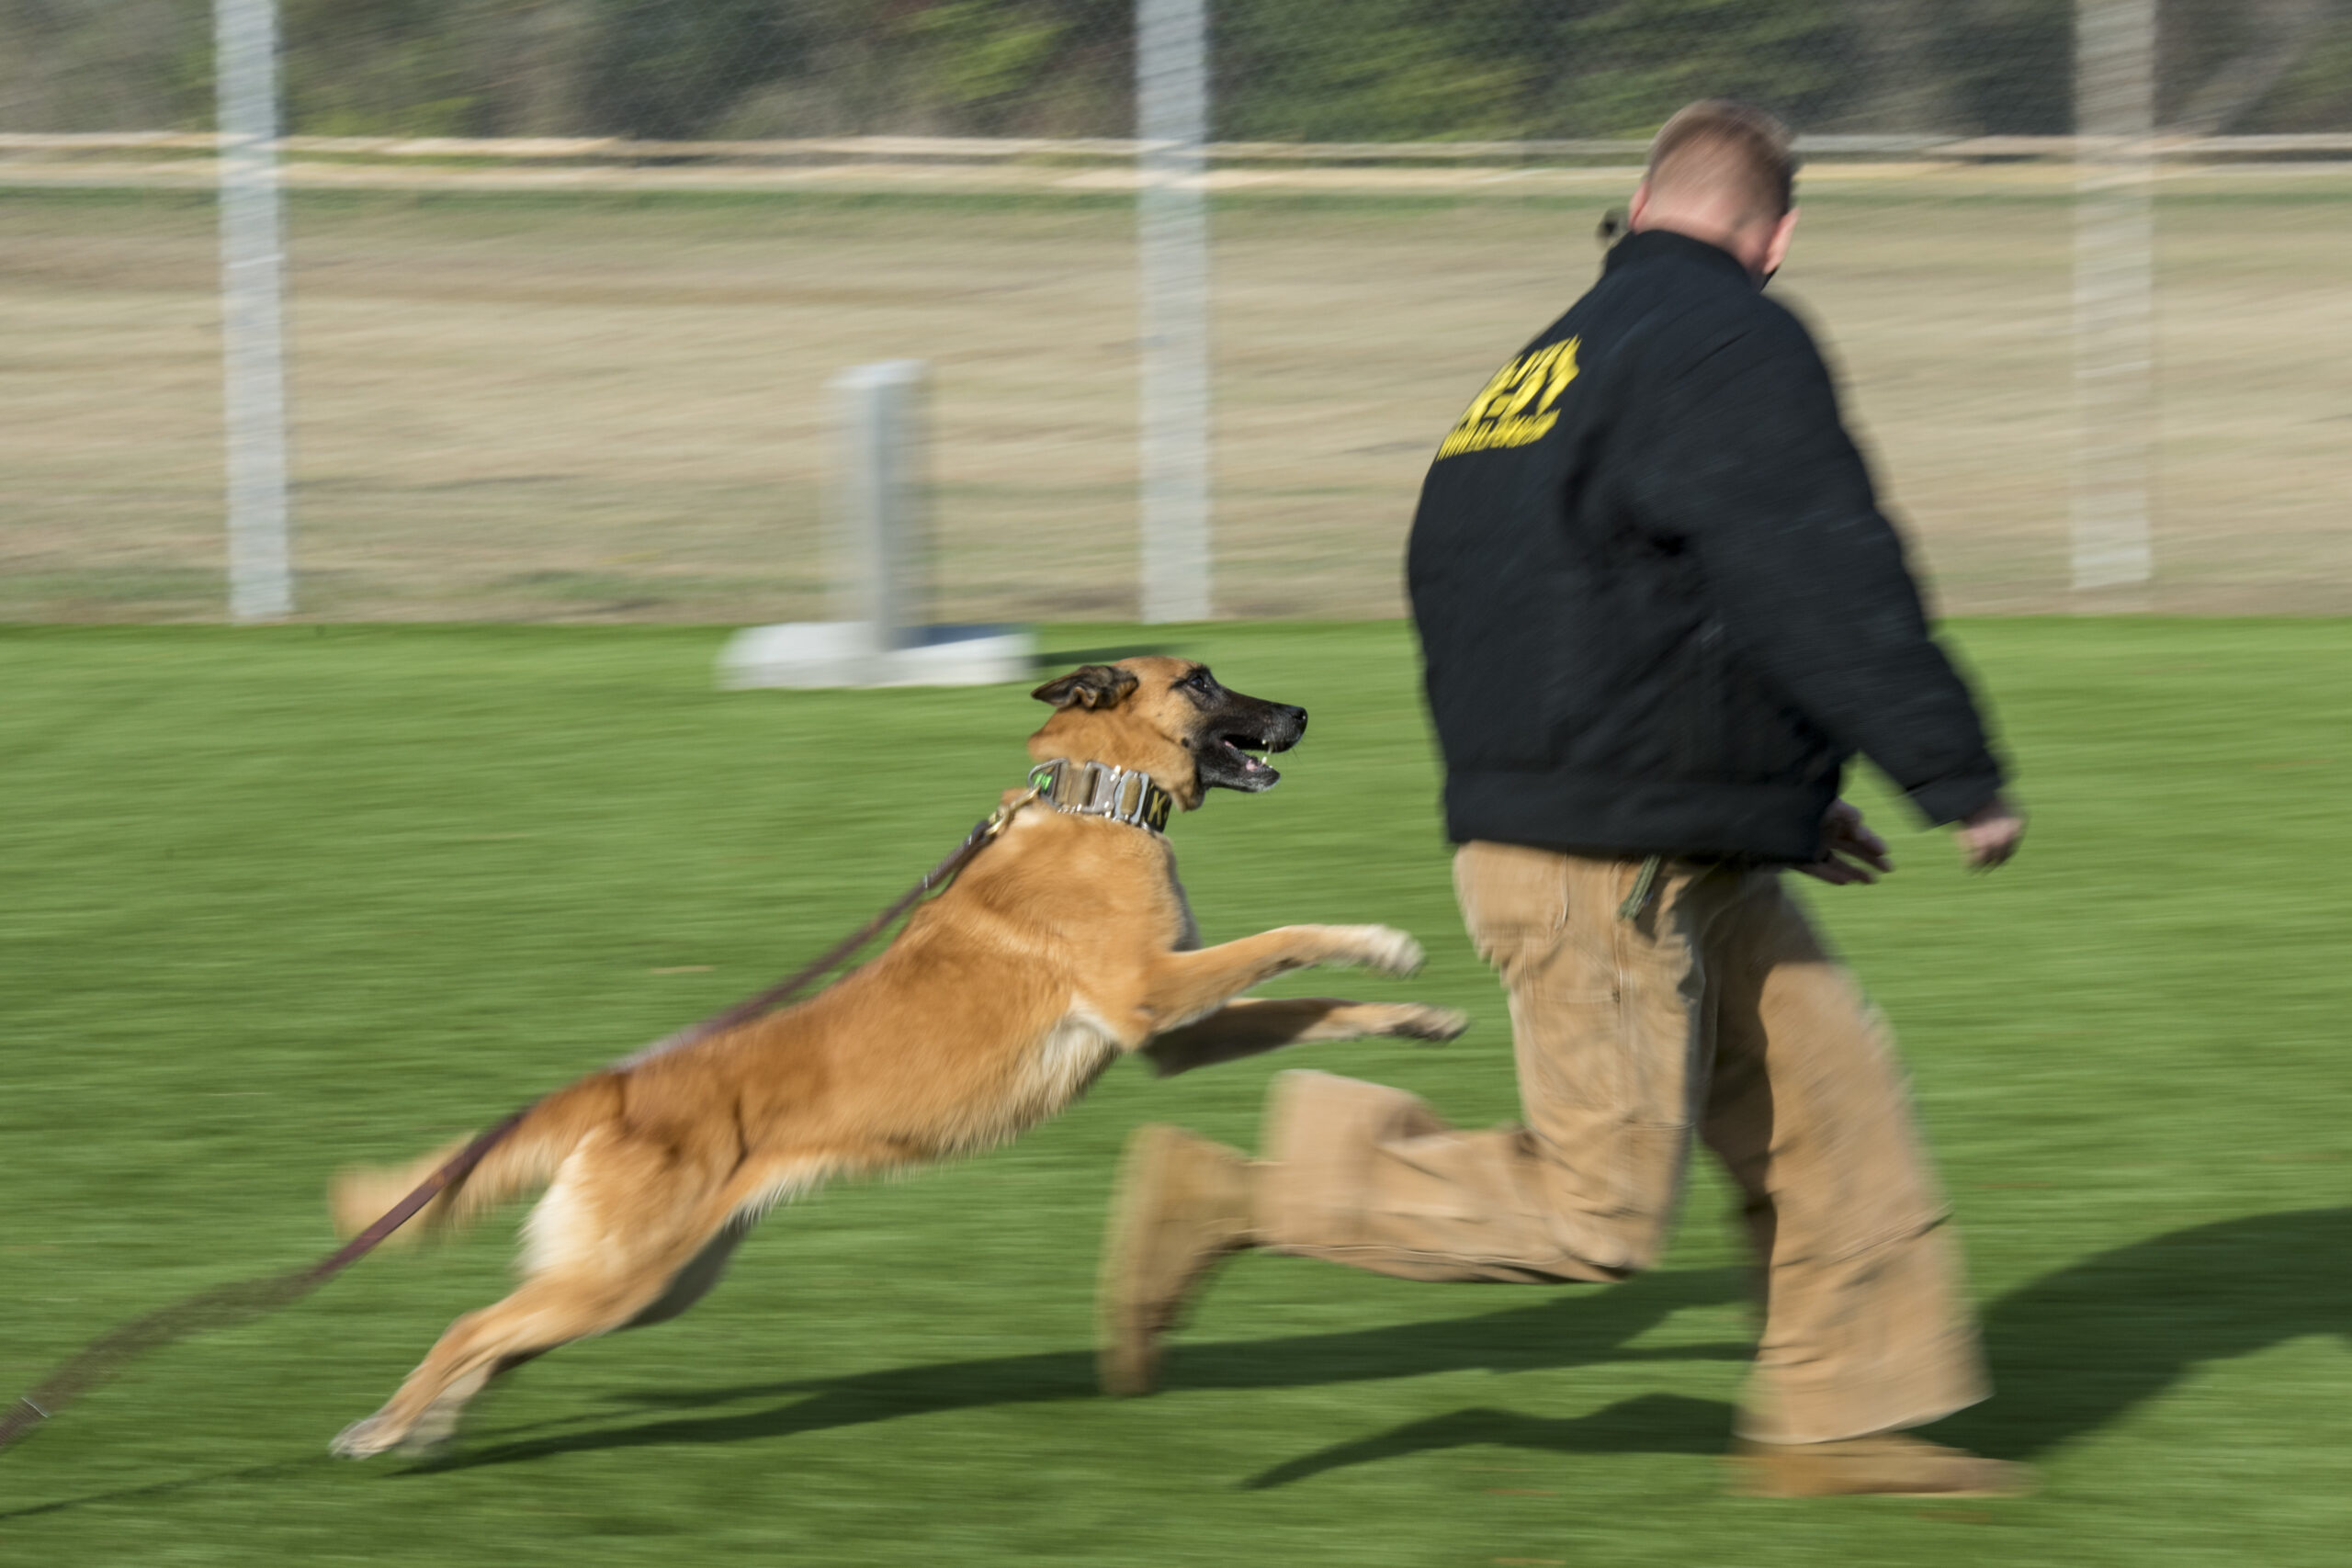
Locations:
{"points": [[566, 279]]}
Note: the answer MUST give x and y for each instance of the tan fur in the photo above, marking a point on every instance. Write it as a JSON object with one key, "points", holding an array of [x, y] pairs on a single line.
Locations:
{"points": [[1060, 949], [519, 1163]]}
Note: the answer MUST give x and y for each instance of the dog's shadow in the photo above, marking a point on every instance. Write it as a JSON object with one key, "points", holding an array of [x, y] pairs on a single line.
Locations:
{"points": [[2072, 1351], [1581, 1328]]}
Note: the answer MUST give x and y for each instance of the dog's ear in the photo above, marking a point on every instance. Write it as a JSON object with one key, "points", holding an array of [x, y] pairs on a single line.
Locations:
{"points": [[1088, 686]]}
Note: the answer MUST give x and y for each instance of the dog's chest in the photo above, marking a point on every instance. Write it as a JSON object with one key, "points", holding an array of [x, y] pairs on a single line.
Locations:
{"points": [[1058, 1068], [1188, 930]]}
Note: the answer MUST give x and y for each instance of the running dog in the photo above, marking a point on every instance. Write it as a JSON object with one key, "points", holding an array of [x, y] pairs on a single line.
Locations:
{"points": [[1064, 945]]}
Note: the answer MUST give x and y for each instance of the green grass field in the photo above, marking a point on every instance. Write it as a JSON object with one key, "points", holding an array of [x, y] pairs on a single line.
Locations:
{"points": [[277, 900]]}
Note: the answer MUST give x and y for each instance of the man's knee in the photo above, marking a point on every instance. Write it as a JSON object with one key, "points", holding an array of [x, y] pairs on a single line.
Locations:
{"points": [[1368, 1174], [1318, 1143], [1313, 1116]]}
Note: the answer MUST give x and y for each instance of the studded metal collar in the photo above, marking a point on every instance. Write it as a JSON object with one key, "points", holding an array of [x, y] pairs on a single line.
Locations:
{"points": [[1097, 789]]}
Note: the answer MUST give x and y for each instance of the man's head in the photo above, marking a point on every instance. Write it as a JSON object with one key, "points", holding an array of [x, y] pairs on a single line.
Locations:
{"points": [[1725, 173]]}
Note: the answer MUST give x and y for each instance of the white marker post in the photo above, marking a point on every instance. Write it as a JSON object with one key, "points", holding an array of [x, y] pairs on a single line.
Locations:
{"points": [[253, 349], [2115, 58], [878, 553], [1171, 126], [878, 511]]}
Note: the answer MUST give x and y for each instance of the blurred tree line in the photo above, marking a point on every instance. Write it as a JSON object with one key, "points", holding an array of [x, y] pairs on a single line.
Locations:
{"points": [[1322, 70]]}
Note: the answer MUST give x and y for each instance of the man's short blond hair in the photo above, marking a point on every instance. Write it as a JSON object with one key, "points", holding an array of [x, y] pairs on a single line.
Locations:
{"points": [[1721, 146]]}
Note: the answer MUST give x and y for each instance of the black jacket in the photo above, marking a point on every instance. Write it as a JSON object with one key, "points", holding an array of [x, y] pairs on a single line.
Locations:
{"points": [[1658, 605]]}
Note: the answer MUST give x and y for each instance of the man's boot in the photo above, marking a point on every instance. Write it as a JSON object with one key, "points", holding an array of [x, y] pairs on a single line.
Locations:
{"points": [[1891, 1464], [1181, 1207]]}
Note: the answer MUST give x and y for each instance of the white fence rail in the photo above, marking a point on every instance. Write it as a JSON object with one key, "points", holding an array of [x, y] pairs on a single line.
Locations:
{"points": [[2159, 144]]}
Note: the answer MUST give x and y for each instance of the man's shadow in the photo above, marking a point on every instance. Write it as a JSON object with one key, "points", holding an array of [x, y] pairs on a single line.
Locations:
{"points": [[2071, 1352], [2078, 1349]]}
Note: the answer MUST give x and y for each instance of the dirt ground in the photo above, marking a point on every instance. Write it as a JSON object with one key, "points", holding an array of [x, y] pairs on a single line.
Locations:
{"points": [[600, 406]]}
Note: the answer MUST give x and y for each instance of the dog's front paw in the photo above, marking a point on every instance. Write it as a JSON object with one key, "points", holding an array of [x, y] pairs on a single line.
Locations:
{"points": [[1433, 1024], [1383, 950]]}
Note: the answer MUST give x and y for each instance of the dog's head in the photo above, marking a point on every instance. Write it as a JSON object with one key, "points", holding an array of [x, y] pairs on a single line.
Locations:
{"points": [[1169, 718]]}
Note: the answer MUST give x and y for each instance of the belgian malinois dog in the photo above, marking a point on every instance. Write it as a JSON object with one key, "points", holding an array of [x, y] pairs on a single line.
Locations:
{"points": [[1065, 945]]}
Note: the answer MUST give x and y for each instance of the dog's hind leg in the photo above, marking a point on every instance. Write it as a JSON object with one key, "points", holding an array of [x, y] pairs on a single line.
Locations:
{"points": [[613, 1244], [702, 1272], [685, 1287], [550, 1309], [755, 1190]]}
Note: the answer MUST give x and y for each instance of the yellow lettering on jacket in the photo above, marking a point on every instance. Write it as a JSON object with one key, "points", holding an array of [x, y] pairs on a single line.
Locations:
{"points": [[1516, 407]]}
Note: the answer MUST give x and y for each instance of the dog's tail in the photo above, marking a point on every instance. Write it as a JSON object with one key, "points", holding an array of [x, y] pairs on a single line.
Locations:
{"points": [[522, 1160]]}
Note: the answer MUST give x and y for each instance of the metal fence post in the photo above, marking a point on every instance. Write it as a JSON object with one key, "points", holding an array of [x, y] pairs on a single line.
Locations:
{"points": [[252, 348], [2115, 56], [1171, 115]]}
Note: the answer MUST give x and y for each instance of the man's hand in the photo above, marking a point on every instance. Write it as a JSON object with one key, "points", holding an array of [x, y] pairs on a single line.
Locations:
{"points": [[1850, 852], [1989, 835]]}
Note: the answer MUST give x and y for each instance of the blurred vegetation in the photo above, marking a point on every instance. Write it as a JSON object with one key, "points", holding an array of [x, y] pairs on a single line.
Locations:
{"points": [[1339, 70]]}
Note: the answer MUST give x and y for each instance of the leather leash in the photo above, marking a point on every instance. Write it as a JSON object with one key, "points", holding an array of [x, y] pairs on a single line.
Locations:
{"points": [[225, 1305]]}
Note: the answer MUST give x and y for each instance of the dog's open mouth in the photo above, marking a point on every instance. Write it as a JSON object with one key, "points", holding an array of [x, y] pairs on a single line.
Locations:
{"points": [[1245, 756], [1236, 737], [1241, 754]]}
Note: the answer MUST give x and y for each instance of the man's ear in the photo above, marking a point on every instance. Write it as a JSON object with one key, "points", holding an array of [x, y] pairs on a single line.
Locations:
{"points": [[1776, 249], [1088, 686]]}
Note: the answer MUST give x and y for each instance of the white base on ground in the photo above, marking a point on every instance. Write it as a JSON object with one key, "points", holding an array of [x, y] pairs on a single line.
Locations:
{"points": [[847, 653]]}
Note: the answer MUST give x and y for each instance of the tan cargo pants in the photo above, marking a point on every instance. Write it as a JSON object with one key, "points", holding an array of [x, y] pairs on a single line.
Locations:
{"points": [[1716, 1008]]}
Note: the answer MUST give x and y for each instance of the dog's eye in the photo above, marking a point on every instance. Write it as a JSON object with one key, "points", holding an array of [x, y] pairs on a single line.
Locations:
{"points": [[1199, 681]]}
